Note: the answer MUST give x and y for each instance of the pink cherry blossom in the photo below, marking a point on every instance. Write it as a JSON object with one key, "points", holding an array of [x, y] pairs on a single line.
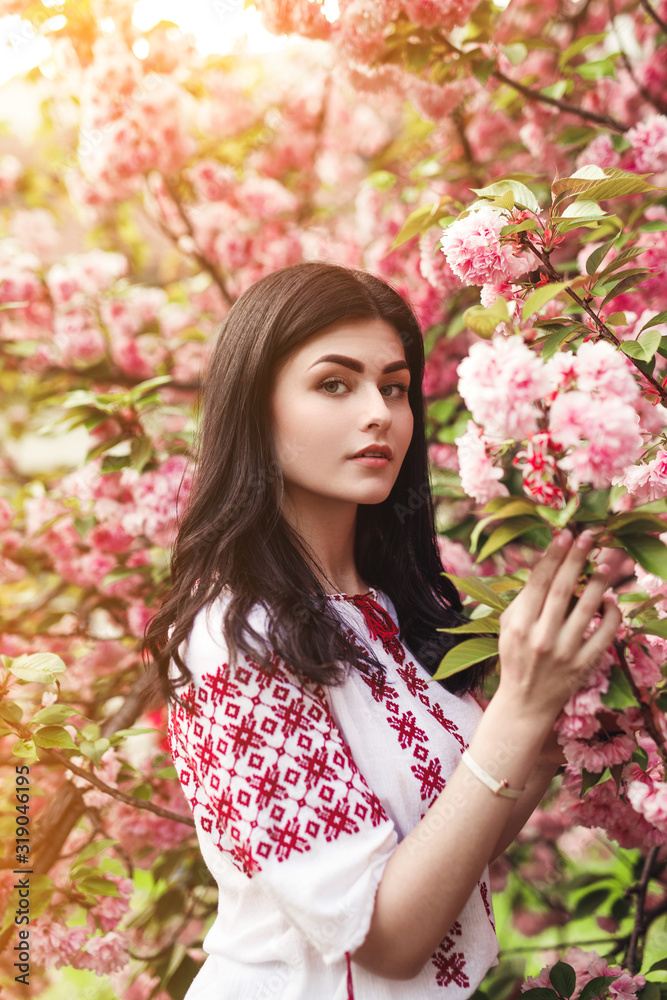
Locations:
{"points": [[600, 437], [479, 476], [104, 953], [473, 250], [650, 799], [78, 338], [647, 481], [444, 14], [600, 152], [596, 754], [35, 229], [649, 144], [500, 382], [455, 557]]}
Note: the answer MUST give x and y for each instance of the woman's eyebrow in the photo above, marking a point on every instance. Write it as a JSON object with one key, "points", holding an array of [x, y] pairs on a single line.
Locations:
{"points": [[356, 366]]}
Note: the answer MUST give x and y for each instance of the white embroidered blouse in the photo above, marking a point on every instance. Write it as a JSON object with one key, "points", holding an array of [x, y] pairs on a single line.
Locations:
{"points": [[300, 795]]}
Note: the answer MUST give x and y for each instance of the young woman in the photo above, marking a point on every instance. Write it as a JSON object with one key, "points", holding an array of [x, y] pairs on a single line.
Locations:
{"points": [[346, 805]]}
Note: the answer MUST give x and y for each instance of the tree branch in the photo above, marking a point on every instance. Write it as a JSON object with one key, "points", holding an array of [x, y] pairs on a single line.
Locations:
{"points": [[638, 926], [649, 724], [654, 14], [200, 257], [540, 98], [601, 326], [130, 800], [572, 109]]}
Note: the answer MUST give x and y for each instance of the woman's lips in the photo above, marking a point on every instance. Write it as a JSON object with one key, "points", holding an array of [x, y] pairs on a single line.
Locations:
{"points": [[371, 463]]}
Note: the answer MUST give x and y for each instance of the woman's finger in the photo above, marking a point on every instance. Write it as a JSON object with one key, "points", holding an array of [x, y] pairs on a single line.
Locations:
{"points": [[531, 598], [587, 606], [559, 595], [603, 636]]}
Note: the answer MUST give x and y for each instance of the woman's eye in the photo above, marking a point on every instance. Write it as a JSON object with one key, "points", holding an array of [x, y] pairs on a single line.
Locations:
{"points": [[401, 386], [332, 383], [330, 386]]}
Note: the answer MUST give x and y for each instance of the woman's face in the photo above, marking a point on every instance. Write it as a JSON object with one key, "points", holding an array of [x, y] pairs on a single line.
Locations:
{"points": [[325, 411]]}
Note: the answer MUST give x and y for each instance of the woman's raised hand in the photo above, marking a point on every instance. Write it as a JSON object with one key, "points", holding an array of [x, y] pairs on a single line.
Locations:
{"points": [[544, 659]]}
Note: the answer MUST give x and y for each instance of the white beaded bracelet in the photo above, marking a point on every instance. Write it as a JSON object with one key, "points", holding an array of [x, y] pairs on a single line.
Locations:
{"points": [[497, 787]]}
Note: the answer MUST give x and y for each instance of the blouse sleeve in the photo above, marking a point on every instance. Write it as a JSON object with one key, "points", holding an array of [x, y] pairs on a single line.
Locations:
{"points": [[272, 782]]}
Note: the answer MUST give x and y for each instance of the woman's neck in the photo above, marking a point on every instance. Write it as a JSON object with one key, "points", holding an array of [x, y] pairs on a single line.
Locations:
{"points": [[327, 528]]}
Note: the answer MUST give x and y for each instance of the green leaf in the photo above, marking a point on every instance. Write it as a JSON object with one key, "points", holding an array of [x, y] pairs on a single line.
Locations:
{"points": [[25, 748], [383, 180], [650, 553], [10, 711], [54, 736], [635, 521], [147, 386], [482, 69], [660, 318], [625, 285], [41, 668], [90, 850], [651, 991], [103, 446], [619, 693], [640, 757], [465, 654], [516, 52], [596, 987], [489, 624], [523, 196], [588, 904], [528, 225], [597, 184], [597, 69], [484, 322], [660, 966], [541, 296], [576, 48], [518, 507], [582, 209], [563, 978], [512, 529], [589, 779], [95, 749], [54, 714], [97, 885], [556, 339], [644, 347], [630, 253], [657, 626], [141, 450], [559, 518], [419, 221], [473, 587]]}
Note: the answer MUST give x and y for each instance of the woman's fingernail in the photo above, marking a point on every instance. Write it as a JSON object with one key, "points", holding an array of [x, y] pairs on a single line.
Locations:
{"points": [[602, 569], [564, 538], [585, 539]]}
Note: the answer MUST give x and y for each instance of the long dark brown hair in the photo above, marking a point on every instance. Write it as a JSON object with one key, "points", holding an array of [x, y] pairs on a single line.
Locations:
{"points": [[233, 534]]}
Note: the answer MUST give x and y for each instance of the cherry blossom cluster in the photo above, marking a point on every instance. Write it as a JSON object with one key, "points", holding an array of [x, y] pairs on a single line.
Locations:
{"points": [[577, 416]]}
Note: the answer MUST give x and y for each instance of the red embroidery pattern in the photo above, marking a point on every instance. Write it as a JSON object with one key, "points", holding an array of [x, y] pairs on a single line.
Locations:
{"points": [[450, 964], [484, 892], [382, 626], [264, 767]]}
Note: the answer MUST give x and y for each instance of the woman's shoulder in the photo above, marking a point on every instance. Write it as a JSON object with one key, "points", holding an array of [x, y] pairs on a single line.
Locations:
{"points": [[206, 640]]}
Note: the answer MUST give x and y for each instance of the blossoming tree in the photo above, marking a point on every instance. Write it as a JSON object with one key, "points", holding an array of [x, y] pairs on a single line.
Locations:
{"points": [[504, 167]]}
